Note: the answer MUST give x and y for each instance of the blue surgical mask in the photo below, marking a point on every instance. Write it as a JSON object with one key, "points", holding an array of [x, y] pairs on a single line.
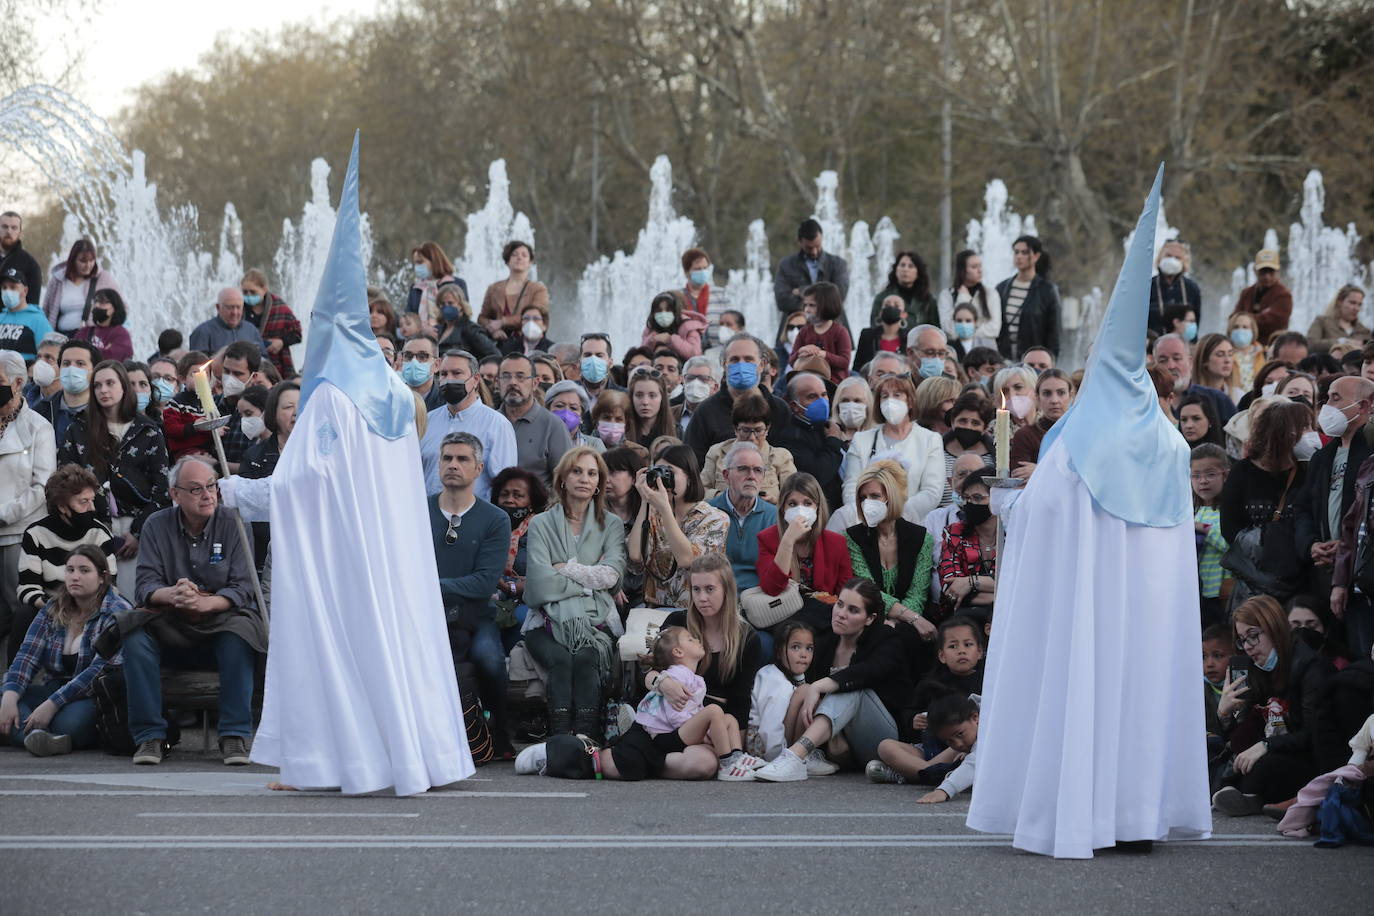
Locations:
{"points": [[143, 397], [252, 301], [932, 366], [1270, 663], [415, 373], [165, 390], [701, 277], [818, 411], [963, 329], [10, 298], [449, 313], [422, 271], [1242, 337], [742, 375], [1190, 330], [593, 369], [75, 379]]}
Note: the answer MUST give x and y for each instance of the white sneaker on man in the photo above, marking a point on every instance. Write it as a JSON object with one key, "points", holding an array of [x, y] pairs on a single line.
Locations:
{"points": [[532, 760], [817, 764], [786, 767]]}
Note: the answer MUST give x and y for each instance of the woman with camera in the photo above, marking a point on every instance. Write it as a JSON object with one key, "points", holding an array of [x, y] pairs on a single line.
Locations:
{"points": [[674, 526]]}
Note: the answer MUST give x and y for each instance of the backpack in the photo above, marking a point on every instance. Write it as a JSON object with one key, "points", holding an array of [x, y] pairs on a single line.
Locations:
{"points": [[474, 717], [112, 711]]}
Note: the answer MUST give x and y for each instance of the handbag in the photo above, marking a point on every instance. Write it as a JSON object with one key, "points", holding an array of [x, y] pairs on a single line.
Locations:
{"points": [[641, 629], [1243, 559], [764, 610], [1278, 540]]}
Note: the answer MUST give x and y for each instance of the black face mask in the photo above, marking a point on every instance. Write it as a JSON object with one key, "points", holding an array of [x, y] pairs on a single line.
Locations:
{"points": [[6, 395], [82, 520], [100, 314], [967, 438], [976, 513], [454, 392], [517, 514], [890, 314]]}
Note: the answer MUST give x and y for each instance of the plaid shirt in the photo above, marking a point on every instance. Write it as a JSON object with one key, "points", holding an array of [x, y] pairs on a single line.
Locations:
{"points": [[42, 651], [278, 321], [962, 555]]}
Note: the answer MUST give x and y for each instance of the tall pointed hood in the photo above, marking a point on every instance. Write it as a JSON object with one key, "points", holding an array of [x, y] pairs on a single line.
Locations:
{"points": [[1132, 459], [341, 348]]}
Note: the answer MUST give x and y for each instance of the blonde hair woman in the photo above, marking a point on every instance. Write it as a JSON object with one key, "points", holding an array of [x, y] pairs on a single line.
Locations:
{"points": [[895, 554], [1248, 355], [1340, 322], [934, 397]]}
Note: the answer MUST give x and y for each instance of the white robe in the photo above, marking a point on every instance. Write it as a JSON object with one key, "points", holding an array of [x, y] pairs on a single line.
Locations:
{"points": [[361, 692], [1091, 730]]}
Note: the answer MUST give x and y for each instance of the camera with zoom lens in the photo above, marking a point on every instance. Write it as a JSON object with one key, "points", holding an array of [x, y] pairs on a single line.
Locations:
{"points": [[660, 476]]}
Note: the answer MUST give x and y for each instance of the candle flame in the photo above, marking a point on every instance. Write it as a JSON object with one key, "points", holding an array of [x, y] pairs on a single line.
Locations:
{"points": [[1004, 401], [203, 367]]}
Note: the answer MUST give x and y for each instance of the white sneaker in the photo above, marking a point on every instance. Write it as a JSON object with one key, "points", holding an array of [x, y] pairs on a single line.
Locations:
{"points": [[817, 764], [786, 767], [532, 760], [735, 772]]}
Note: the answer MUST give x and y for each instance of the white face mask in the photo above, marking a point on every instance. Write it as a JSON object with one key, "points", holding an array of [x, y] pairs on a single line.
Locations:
{"points": [[803, 514], [1021, 406], [895, 410], [694, 391], [232, 386], [792, 335], [43, 373], [875, 511], [253, 426], [724, 335], [1332, 420], [853, 414], [532, 331], [1268, 390], [1307, 446], [1170, 266]]}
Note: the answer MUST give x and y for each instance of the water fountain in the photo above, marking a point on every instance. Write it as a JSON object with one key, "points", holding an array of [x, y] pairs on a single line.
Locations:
{"points": [[885, 238], [993, 235], [488, 231], [750, 290], [858, 303]]}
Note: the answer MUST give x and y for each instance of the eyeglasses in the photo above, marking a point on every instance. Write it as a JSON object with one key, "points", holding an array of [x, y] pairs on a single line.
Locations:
{"points": [[407, 356], [1249, 640], [930, 352], [198, 491], [595, 335], [451, 535], [514, 377], [749, 432], [645, 369], [750, 471]]}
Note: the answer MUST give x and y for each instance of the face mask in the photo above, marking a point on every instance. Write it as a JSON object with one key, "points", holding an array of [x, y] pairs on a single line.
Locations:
{"points": [[1307, 446], [701, 277], [1021, 405], [1190, 330], [454, 392], [142, 398], [517, 513], [1270, 663], [422, 271], [804, 514], [1242, 337], [694, 391], [81, 520], [532, 331], [165, 390], [99, 315], [792, 335], [232, 386], [853, 414], [742, 375], [593, 369], [6, 395], [963, 330], [1170, 266], [967, 438], [932, 366], [449, 313], [74, 379], [415, 373], [664, 319], [570, 419], [253, 427], [1268, 390], [895, 410], [252, 301], [976, 513], [1332, 420], [725, 335], [875, 510], [890, 314], [610, 432], [10, 298], [43, 373], [818, 411]]}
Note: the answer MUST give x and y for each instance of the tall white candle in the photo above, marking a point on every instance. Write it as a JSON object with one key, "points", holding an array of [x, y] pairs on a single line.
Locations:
{"points": [[1003, 440]]}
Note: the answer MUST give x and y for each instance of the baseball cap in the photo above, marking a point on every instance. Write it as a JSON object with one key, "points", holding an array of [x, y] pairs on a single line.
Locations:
{"points": [[1267, 258], [12, 275]]}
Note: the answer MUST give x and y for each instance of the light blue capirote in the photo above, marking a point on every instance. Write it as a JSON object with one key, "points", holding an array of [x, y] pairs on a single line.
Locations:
{"points": [[1130, 457], [341, 348]]}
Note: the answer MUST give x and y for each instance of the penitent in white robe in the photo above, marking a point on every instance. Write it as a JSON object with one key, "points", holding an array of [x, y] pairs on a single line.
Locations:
{"points": [[1091, 729], [361, 692]]}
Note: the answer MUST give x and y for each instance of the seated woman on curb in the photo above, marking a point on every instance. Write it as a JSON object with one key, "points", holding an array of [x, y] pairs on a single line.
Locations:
{"points": [[57, 716], [857, 681], [889, 550], [799, 551]]}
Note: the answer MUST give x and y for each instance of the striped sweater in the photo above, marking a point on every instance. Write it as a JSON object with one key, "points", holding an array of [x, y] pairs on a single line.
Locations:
{"points": [[44, 550]]}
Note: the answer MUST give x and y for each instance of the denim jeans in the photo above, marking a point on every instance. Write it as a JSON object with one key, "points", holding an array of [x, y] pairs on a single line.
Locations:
{"points": [[144, 658], [484, 648], [863, 719], [77, 718]]}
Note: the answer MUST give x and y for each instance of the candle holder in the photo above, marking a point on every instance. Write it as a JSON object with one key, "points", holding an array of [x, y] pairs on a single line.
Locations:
{"points": [[1005, 483], [210, 423]]}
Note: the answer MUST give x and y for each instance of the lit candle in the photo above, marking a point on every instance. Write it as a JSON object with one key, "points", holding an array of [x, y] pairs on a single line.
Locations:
{"points": [[207, 400], [1003, 440]]}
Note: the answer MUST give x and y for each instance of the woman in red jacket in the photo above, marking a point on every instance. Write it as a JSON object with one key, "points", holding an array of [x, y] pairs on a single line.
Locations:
{"points": [[799, 550]]}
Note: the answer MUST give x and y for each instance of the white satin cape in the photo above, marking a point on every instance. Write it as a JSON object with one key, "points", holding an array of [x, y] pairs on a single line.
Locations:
{"points": [[361, 692], [1091, 729]]}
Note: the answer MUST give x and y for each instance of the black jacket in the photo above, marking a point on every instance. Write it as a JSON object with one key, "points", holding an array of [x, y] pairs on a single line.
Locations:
{"points": [[879, 664], [260, 460], [514, 343], [792, 274], [711, 422], [1311, 519], [910, 538], [867, 347], [1305, 693], [24, 262], [813, 450], [1183, 291], [138, 470], [1039, 322], [466, 335]]}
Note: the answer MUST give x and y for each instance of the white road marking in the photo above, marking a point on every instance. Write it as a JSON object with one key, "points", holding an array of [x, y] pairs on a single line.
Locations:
{"points": [[844, 814], [201, 814], [267, 793]]}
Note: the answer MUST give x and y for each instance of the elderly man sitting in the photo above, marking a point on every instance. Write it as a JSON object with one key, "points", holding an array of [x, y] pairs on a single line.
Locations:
{"points": [[194, 609]]}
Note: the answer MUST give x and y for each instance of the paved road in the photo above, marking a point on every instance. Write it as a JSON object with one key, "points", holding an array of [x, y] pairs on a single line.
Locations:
{"points": [[91, 833]]}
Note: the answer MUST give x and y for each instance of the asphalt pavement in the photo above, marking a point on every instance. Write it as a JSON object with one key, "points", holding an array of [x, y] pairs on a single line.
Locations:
{"points": [[90, 833]]}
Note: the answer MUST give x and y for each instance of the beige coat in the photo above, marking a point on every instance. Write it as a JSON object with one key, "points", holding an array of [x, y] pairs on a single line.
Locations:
{"points": [[777, 462]]}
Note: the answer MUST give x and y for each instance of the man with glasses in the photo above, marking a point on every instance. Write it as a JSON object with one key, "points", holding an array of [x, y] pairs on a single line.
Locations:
{"points": [[744, 367], [462, 411], [417, 368], [194, 608], [749, 514], [700, 380], [388, 347], [540, 437], [471, 538], [926, 349]]}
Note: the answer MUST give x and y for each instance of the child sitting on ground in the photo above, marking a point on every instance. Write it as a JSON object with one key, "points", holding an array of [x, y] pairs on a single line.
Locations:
{"points": [[1217, 649], [769, 726], [1209, 469], [959, 673], [954, 719]]}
